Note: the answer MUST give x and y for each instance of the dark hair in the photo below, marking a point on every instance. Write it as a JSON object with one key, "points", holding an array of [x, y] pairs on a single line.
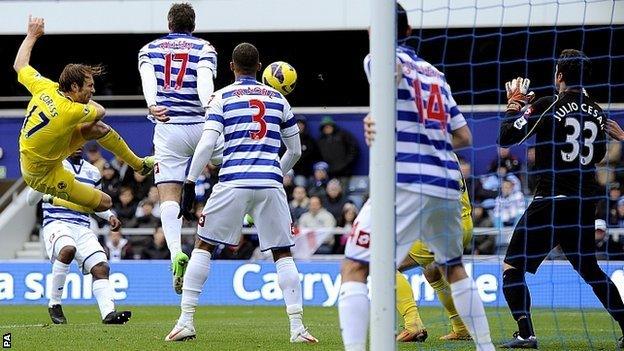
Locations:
{"points": [[181, 18], [246, 58], [77, 73], [402, 24], [575, 67]]}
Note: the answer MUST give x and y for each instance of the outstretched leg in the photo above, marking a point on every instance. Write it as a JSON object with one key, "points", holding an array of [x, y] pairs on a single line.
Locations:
{"points": [[109, 139]]}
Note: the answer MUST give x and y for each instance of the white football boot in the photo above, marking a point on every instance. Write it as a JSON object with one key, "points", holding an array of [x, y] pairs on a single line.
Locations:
{"points": [[181, 333], [302, 335]]}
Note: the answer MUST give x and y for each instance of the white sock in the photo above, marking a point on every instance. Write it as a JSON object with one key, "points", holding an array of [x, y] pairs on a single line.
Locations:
{"points": [[172, 226], [103, 292], [470, 309], [353, 310], [288, 280], [194, 279], [59, 274]]}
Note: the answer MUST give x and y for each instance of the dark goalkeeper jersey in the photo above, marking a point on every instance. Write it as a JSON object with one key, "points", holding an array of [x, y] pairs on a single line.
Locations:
{"points": [[570, 139]]}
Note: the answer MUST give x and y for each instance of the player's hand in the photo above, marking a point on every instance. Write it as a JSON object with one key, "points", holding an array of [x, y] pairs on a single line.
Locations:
{"points": [[159, 112], [518, 94], [114, 223], [369, 129], [614, 130], [36, 26], [188, 200]]}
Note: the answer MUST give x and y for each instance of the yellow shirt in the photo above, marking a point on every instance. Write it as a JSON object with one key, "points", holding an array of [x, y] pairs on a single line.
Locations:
{"points": [[51, 119], [466, 210]]}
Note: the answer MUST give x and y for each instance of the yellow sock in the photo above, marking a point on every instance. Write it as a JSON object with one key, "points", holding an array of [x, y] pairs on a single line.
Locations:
{"points": [[406, 305], [443, 290], [114, 143], [72, 206]]}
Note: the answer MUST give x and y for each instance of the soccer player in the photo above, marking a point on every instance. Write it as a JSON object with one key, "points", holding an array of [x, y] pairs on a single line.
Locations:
{"points": [[254, 119], [570, 139], [177, 74], [429, 125], [420, 256], [68, 236], [60, 117]]}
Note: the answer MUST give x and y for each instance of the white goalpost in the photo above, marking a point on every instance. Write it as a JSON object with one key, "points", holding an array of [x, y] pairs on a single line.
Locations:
{"points": [[383, 175]]}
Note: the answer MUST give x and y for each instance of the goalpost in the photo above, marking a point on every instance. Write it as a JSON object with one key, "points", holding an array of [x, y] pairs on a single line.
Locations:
{"points": [[382, 174]]}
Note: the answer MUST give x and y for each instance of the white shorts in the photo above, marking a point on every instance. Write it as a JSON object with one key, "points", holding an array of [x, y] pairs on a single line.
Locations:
{"points": [[89, 252], [222, 218], [174, 145], [435, 221]]}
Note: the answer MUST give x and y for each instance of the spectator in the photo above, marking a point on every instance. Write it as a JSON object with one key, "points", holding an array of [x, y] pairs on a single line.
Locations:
{"points": [[147, 220], [484, 244], [140, 184], [606, 247], [117, 247], [507, 160], [475, 188], [124, 171], [338, 148], [94, 156], [156, 249], [299, 204], [349, 212], [318, 183], [334, 200], [154, 198], [492, 182], [509, 205], [318, 217], [289, 184], [480, 217], [612, 203], [309, 150], [126, 207], [205, 182], [620, 212], [110, 181]]}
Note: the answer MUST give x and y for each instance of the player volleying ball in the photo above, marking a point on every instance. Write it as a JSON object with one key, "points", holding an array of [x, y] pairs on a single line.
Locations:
{"points": [[177, 74], [429, 125], [68, 236], [60, 118], [419, 255], [570, 139], [255, 119]]}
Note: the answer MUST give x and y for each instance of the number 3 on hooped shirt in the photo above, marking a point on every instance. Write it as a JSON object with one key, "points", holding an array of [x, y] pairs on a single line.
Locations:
{"points": [[259, 118]]}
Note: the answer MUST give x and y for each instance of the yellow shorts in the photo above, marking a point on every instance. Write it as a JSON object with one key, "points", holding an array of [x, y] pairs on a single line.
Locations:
{"points": [[419, 252], [54, 179]]}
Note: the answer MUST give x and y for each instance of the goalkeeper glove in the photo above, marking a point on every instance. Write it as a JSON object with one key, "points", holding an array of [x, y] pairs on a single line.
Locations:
{"points": [[188, 200], [517, 96]]}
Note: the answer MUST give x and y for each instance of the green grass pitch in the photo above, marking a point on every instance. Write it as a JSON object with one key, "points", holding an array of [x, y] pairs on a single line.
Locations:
{"points": [[266, 328]]}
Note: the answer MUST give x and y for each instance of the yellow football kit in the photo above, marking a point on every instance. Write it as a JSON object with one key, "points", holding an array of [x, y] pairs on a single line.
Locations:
{"points": [[420, 252], [423, 257], [51, 133]]}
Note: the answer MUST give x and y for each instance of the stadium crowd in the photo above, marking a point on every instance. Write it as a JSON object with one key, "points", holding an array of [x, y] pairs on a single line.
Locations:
{"points": [[323, 193]]}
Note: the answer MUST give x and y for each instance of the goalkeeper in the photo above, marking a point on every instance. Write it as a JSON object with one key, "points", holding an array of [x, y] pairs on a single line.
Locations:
{"points": [[419, 255]]}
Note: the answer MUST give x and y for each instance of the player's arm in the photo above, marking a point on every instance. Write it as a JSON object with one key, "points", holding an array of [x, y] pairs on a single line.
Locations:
{"points": [[290, 136], [100, 111], [206, 73], [213, 128], [150, 85], [462, 137], [35, 30], [614, 130], [516, 128]]}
